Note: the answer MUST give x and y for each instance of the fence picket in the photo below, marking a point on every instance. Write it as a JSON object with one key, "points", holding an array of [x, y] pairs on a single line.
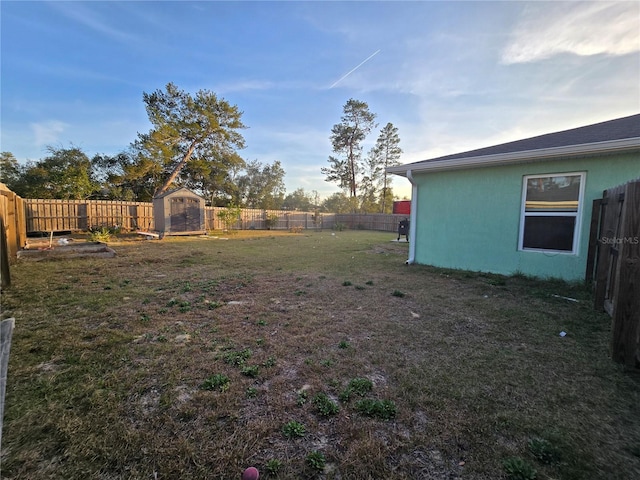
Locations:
{"points": [[617, 276]]}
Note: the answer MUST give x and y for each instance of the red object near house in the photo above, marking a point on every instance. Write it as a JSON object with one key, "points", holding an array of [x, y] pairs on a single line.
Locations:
{"points": [[402, 207]]}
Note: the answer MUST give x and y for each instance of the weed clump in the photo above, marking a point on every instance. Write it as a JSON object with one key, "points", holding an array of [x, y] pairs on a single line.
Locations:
{"points": [[518, 469], [237, 358], [250, 371], [293, 429], [316, 460], [324, 405], [382, 409], [218, 381], [273, 466], [252, 392], [544, 451], [357, 386]]}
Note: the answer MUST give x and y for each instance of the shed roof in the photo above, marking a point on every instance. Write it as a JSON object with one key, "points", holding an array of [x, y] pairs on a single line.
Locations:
{"points": [[176, 190], [612, 136]]}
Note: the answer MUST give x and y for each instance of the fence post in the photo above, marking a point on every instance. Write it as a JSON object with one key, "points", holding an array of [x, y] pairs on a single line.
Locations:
{"points": [[5, 272], [593, 240]]}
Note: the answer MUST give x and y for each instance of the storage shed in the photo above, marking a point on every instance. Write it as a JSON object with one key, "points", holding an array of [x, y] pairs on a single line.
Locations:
{"points": [[179, 212]]}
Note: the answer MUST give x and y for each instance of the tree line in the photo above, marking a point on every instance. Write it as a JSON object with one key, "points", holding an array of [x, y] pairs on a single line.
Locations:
{"points": [[364, 178], [194, 142]]}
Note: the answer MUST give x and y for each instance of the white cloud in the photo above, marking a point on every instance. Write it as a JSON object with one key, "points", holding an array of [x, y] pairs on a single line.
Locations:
{"points": [[581, 28], [91, 19], [47, 133]]}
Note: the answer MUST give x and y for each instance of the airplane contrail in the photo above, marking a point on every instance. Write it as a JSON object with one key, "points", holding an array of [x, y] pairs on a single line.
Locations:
{"points": [[354, 69]]}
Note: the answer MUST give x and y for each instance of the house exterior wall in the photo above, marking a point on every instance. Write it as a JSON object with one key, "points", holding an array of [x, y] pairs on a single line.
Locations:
{"points": [[470, 219]]}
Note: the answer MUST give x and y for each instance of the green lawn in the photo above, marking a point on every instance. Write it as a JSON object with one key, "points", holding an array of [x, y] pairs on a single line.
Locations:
{"points": [[313, 355]]}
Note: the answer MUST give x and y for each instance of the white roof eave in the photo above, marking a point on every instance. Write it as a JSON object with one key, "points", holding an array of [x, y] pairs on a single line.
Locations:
{"points": [[597, 148]]}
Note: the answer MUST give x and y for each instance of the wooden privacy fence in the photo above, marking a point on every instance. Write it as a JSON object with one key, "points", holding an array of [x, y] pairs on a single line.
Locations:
{"points": [[258, 219], [286, 220], [371, 221], [80, 215], [13, 234], [614, 266]]}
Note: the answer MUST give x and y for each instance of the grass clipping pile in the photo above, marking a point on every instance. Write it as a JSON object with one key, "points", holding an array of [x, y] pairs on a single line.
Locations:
{"points": [[307, 356]]}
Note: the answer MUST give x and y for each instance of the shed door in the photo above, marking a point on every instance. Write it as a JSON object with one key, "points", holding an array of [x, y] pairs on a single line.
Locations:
{"points": [[185, 214]]}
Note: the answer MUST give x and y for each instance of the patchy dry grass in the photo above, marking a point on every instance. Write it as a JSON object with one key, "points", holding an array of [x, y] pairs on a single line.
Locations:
{"points": [[193, 358]]}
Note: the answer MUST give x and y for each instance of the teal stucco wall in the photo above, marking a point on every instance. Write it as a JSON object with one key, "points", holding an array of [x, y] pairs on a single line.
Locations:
{"points": [[469, 219]]}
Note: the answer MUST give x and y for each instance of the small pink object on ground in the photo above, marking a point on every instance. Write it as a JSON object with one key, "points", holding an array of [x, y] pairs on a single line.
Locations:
{"points": [[251, 473]]}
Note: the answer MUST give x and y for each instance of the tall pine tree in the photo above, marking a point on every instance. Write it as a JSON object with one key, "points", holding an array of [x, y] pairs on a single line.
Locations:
{"points": [[346, 138]]}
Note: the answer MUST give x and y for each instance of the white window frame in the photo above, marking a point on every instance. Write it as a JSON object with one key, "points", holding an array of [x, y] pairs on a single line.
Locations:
{"points": [[578, 214]]}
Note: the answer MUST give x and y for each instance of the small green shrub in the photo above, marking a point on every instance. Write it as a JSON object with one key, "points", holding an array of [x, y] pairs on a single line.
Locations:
{"points": [[218, 381], [397, 293], [293, 429], [230, 216], [382, 409], [518, 469], [270, 221], [346, 283], [316, 460], [340, 226], [102, 234], [324, 405], [344, 344]]}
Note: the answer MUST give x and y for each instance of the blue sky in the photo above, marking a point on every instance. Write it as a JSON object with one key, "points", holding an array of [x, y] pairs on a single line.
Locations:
{"points": [[452, 76]]}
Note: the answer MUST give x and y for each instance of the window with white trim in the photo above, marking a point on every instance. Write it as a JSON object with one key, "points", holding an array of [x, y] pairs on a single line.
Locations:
{"points": [[551, 212]]}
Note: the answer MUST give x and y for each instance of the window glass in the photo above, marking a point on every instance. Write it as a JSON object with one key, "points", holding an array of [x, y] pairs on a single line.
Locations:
{"points": [[549, 233], [553, 194], [551, 209]]}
